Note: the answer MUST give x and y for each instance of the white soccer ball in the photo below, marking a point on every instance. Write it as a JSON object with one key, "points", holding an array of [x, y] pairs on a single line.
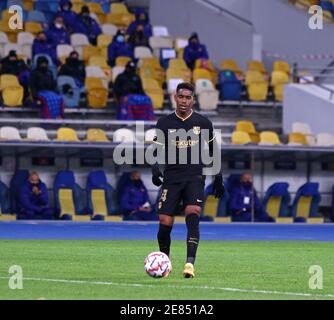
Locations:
{"points": [[157, 265]]}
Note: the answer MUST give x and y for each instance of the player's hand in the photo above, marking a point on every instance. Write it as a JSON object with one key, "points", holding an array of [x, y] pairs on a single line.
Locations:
{"points": [[156, 175], [218, 186]]}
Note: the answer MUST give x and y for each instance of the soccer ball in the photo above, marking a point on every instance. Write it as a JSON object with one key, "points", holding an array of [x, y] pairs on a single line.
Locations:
{"points": [[157, 265]]}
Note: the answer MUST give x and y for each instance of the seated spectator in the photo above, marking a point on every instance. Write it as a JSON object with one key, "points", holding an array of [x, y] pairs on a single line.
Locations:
{"points": [[68, 15], [87, 25], [34, 199], [43, 89], [138, 38], [193, 51], [17, 67], [12, 64], [42, 45], [74, 68], [242, 197], [143, 20], [128, 82], [135, 203], [119, 48], [57, 32]]}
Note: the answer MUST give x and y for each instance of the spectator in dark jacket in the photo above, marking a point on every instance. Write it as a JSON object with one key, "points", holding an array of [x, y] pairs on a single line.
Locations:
{"points": [[42, 45], [12, 64], [87, 25], [193, 51], [143, 20], [34, 199], [242, 198], [57, 32], [68, 15], [128, 82], [135, 202], [138, 38], [74, 68], [119, 48], [41, 78]]}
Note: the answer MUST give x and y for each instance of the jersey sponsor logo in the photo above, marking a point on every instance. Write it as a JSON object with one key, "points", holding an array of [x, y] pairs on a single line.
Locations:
{"points": [[164, 195], [197, 130], [172, 130], [198, 200], [185, 143]]}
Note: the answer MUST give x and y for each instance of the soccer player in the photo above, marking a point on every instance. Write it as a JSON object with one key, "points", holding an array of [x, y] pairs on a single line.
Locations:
{"points": [[183, 182]]}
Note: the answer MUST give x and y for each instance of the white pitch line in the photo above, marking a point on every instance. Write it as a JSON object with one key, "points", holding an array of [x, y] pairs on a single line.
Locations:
{"points": [[179, 287]]}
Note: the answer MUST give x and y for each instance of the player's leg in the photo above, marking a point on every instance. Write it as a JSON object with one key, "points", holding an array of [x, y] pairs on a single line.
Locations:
{"points": [[193, 198], [168, 203]]}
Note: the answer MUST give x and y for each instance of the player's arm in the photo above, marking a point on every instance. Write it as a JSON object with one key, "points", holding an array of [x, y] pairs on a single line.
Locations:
{"points": [[218, 184]]}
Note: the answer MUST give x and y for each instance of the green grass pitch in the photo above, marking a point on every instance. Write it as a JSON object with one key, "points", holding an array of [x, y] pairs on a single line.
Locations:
{"points": [[114, 270]]}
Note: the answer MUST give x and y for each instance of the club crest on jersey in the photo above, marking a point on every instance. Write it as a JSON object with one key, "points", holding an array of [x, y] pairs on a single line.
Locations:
{"points": [[197, 130]]}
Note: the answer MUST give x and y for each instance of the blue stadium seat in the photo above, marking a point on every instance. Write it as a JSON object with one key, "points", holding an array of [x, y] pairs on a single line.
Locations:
{"points": [[36, 16], [276, 200], [16, 183], [328, 6], [72, 99], [68, 196], [122, 182], [100, 197], [230, 87], [306, 202], [4, 199]]}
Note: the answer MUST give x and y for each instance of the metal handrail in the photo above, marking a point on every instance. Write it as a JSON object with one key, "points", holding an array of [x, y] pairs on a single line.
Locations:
{"points": [[221, 9]]}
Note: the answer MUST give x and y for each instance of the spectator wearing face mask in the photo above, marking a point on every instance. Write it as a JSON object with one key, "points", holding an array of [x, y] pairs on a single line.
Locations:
{"points": [[128, 82], [87, 25], [67, 14], [135, 202], [243, 196], [142, 19], [42, 45], [74, 68], [194, 50], [57, 32], [119, 48], [34, 199], [138, 38]]}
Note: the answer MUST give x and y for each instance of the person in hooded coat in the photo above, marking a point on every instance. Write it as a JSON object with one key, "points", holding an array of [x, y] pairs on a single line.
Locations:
{"points": [[67, 14], [142, 19], [119, 48], [42, 45], [57, 32], [193, 51]]}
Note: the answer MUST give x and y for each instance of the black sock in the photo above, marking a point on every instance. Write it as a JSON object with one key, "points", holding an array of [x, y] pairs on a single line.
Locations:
{"points": [[164, 238], [192, 221]]}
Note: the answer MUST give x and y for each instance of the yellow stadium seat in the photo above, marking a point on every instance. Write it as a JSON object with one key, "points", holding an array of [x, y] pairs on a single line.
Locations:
{"points": [[248, 126], [201, 74], [28, 5], [232, 65], [257, 91], [67, 134], [103, 40], [118, 8], [154, 91], [178, 74], [66, 202], [211, 206], [177, 64], [297, 138], [96, 8], [253, 76], [269, 137], [122, 61], [97, 94], [11, 90], [304, 207], [121, 20], [100, 61], [254, 65], [280, 65], [279, 77], [273, 206], [89, 51], [99, 202], [33, 27], [240, 137], [97, 135], [208, 65]]}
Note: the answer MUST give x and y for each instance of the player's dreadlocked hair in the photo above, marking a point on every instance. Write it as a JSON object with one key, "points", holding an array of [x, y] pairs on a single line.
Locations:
{"points": [[186, 86]]}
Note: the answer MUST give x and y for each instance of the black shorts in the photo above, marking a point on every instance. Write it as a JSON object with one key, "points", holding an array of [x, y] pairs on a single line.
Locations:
{"points": [[176, 196]]}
